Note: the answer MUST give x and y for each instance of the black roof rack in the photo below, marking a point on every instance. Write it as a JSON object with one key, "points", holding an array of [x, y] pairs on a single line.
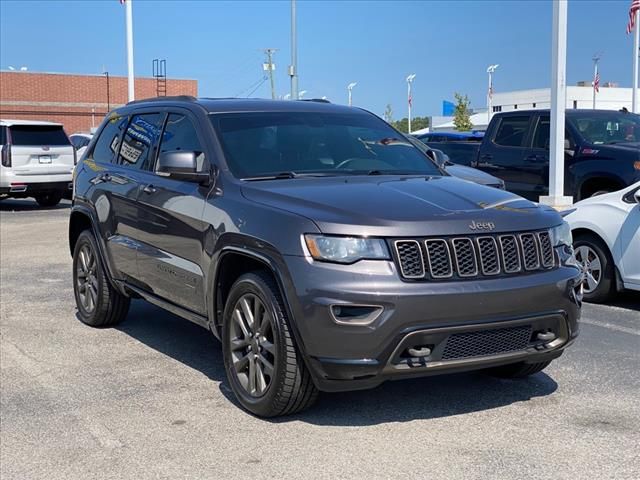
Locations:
{"points": [[175, 98], [319, 100]]}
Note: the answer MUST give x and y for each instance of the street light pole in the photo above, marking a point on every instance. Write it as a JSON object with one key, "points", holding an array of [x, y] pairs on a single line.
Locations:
{"points": [[490, 70], [130, 75], [293, 68], [349, 89], [635, 106], [409, 99]]}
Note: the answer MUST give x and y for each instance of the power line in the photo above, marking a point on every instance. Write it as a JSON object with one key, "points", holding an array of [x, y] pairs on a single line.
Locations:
{"points": [[257, 86], [258, 83]]}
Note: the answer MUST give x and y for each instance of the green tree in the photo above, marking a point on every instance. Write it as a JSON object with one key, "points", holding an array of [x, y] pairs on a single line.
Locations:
{"points": [[461, 116], [417, 123], [388, 114]]}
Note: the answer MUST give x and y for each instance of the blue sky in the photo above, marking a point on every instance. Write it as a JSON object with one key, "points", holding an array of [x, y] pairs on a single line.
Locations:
{"points": [[447, 44]]}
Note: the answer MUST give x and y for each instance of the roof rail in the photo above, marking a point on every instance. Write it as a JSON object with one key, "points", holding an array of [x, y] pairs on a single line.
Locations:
{"points": [[318, 100], [175, 98]]}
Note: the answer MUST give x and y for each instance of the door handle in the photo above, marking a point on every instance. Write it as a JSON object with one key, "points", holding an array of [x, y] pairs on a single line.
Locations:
{"points": [[149, 189]]}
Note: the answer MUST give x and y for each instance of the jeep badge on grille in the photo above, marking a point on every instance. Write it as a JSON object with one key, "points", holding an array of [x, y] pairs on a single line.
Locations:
{"points": [[481, 225]]}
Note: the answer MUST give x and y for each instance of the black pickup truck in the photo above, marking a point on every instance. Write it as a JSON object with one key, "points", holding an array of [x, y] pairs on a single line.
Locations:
{"points": [[602, 151]]}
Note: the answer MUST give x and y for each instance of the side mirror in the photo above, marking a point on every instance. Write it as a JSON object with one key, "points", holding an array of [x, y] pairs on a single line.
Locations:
{"points": [[181, 165]]}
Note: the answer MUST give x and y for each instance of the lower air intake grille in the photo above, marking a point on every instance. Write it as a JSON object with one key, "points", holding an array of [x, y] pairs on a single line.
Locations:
{"points": [[486, 342]]}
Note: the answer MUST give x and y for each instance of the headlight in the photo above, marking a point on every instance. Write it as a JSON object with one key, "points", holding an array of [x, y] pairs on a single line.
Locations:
{"points": [[346, 249], [561, 235]]}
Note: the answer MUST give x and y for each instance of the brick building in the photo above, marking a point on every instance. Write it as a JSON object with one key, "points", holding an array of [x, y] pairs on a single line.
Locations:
{"points": [[79, 102]]}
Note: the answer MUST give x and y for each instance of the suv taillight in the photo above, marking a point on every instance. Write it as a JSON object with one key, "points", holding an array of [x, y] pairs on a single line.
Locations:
{"points": [[6, 155]]}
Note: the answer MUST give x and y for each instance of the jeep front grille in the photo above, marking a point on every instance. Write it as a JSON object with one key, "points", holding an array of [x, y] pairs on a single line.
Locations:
{"points": [[474, 256]]}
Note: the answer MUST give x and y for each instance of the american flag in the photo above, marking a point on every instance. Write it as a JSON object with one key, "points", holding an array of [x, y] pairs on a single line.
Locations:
{"points": [[596, 81], [633, 10], [490, 91], [410, 100]]}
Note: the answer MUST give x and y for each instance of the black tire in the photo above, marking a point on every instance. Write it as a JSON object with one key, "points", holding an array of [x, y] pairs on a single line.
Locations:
{"points": [[107, 306], [49, 199], [606, 279], [290, 388], [518, 370]]}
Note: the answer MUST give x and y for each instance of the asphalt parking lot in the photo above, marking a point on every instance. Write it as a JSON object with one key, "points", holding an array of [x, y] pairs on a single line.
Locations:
{"points": [[148, 399]]}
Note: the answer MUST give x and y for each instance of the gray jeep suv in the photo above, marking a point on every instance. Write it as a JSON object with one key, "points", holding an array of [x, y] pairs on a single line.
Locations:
{"points": [[322, 248]]}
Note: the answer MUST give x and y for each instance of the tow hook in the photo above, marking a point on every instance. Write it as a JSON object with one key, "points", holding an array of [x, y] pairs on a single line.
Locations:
{"points": [[546, 336]]}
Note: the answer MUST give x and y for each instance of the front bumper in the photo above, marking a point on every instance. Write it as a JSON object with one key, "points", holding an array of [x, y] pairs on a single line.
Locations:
{"points": [[344, 356]]}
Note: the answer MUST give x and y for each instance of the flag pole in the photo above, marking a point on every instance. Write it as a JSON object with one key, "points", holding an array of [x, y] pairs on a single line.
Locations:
{"points": [[129, 23], [636, 52]]}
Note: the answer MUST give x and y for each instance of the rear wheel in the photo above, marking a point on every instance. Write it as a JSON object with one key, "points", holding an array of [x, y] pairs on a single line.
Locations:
{"points": [[99, 304], [597, 268], [263, 365], [518, 370], [48, 199]]}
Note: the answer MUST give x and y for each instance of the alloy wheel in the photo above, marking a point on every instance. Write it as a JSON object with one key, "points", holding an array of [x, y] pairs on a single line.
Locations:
{"points": [[86, 278], [591, 267], [252, 346]]}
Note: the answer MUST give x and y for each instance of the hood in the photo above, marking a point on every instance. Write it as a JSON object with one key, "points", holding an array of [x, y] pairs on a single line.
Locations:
{"points": [[473, 175], [392, 206], [631, 148]]}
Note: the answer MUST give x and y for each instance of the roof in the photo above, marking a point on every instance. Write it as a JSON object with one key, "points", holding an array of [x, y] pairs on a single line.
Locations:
{"points": [[9, 123], [224, 105]]}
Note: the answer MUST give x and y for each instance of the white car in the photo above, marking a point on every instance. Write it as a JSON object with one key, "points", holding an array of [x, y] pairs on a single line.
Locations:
{"points": [[37, 161], [606, 239], [80, 141]]}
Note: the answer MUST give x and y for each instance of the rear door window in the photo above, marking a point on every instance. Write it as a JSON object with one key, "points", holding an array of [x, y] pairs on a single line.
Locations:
{"points": [[107, 144], [140, 141], [3, 135], [38, 135], [512, 131], [542, 133]]}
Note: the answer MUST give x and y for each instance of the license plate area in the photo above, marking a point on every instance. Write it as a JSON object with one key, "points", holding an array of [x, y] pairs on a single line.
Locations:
{"points": [[44, 158]]}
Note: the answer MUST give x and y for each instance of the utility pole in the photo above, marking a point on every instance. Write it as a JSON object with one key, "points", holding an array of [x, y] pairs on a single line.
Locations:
{"points": [[293, 68], [596, 59], [270, 67]]}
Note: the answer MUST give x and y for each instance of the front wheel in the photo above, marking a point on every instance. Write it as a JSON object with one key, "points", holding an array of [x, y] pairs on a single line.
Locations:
{"points": [[49, 199], [597, 268], [263, 365]]}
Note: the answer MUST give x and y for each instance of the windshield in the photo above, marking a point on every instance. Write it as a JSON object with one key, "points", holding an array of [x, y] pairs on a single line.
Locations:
{"points": [[607, 127], [268, 144]]}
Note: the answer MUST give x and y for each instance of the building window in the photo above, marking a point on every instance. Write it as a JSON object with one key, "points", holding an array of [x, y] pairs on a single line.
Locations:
{"points": [[534, 105], [575, 104], [497, 108]]}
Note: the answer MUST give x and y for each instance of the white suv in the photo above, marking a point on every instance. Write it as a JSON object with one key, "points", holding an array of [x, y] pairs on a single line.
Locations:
{"points": [[37, 161]]}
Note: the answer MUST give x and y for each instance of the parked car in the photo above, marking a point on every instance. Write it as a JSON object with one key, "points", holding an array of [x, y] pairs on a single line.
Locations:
{"points": [[324, 250], [602, 151], [460, 153], [466, 173], [606, 238], [460, 171], [475, 136], [37, 161], [80, 141]]}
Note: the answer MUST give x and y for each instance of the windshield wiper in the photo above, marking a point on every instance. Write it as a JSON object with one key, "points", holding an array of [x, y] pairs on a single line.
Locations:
{"points": [[288, 175]]}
